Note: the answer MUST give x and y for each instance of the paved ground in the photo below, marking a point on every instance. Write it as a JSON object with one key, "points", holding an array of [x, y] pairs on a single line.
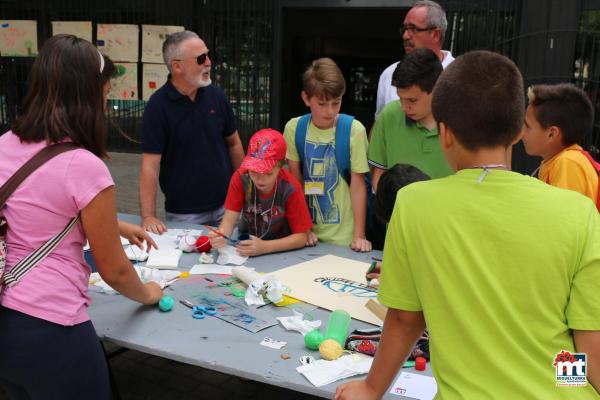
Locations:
{"points": [[140, 376]]}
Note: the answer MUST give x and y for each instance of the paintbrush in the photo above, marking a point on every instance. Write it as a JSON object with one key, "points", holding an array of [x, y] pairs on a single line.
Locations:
{"points": [[213, 230]]}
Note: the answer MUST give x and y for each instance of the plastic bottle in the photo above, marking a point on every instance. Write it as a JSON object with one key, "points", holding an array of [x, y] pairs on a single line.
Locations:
{"points": [[337, 326]]}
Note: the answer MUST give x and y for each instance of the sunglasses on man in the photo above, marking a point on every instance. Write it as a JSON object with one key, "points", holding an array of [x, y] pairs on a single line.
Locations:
{"points": [[201, 59]]}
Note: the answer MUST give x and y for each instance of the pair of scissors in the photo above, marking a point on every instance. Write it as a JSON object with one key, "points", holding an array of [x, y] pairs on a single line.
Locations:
{"points": [[199, 312]]}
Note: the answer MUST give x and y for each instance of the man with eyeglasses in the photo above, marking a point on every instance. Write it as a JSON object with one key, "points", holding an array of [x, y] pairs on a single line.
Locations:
{"points": [[424, 26], [190, 140]]}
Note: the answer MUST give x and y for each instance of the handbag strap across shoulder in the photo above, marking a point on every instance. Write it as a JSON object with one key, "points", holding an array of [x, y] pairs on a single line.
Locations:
{"points": [[30, 261], [34, 163]]}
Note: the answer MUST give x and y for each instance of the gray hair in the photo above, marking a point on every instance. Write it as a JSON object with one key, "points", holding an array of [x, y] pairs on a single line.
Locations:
{"points": [[172, 46], [436, 16]]}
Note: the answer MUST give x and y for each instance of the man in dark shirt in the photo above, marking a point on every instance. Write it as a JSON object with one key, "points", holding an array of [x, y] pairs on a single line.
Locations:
{"points": [[189, 140]]}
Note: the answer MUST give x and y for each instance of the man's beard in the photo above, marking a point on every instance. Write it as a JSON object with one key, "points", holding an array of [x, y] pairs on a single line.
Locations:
{"points": [[204, 83]]}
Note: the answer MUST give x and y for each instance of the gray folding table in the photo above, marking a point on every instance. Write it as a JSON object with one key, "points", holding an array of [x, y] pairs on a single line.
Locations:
{"points": [[215, 344]]}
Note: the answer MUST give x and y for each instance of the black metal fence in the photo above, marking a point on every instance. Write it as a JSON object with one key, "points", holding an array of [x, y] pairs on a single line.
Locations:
{"points": [[551, 41], [238, 34]]}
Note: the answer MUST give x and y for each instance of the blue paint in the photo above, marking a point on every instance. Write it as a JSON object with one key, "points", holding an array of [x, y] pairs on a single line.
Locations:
{"points": [[342, 285], [5, 25]]}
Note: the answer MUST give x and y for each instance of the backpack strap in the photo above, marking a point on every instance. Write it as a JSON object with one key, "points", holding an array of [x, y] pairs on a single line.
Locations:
{"points": [[342, 142], [342, 145], [300, 136], [596, 166]]}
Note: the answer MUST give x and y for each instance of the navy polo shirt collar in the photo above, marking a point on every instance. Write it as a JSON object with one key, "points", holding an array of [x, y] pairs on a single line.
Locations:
{"points": [[175, 94]]}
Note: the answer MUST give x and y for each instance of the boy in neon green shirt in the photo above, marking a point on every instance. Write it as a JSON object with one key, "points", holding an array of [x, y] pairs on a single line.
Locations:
{"points": [[502, 273], [339, 209]]}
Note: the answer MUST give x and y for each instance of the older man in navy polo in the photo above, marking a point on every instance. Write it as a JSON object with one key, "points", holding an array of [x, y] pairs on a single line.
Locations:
{"points": [[189, 140]]}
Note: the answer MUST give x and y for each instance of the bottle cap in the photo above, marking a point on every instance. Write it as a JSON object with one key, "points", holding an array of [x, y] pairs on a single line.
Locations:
{"points": [[420, 364]]}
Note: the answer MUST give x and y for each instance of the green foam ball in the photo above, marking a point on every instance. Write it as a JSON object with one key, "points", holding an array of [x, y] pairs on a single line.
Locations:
{"points": [[313, 339]]}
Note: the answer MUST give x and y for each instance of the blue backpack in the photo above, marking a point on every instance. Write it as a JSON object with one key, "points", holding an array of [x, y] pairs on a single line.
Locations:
{"points": [[342, 152]]}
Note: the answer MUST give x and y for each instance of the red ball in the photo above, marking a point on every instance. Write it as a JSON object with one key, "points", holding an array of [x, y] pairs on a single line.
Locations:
{"points": [[203, 244]]}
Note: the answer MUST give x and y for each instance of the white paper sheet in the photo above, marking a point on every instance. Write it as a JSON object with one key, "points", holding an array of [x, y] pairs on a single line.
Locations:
{"points": [[413, 385], [170, 239], [18, 38], [165, 242], [153, 37], [201, 269], [134, 253], [82, 29], [146, 275], [164, 259], [322, 372], [124, 242]]}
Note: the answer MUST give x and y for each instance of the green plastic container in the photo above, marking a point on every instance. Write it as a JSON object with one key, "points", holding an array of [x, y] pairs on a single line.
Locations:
{"points": [[337, 326]]}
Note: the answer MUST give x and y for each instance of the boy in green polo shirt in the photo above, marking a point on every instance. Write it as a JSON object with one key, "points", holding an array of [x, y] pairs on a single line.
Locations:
{"points": [[406, 132], [504, 275]]}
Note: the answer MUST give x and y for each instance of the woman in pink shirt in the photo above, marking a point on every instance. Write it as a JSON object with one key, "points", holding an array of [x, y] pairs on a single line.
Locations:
{"points": [[48, 346]]}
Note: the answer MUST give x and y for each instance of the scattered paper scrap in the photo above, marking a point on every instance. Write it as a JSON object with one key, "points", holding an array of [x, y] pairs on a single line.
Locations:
{"points": [[272, 343], [304, 360], [322, 372], [229, 255], [297, 323], [414, 385], [259, 287], [206, 258], [203, 269]]}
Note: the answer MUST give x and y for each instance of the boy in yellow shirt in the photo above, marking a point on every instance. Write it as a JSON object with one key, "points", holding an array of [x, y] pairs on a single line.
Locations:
{"points": [[558, 118], [338, 205]]}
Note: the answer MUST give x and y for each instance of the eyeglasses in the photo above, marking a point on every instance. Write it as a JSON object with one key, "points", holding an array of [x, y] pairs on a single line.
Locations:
{"points": [[201, 59], [413, 29]]}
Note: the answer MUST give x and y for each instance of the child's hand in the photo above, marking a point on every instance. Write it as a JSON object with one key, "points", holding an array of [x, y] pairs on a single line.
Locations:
{"points": [[153, 293], [312, 239], [376, 272], [136, 235], [216, 241], [355, 390], [361, 244], [251, 247]]}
